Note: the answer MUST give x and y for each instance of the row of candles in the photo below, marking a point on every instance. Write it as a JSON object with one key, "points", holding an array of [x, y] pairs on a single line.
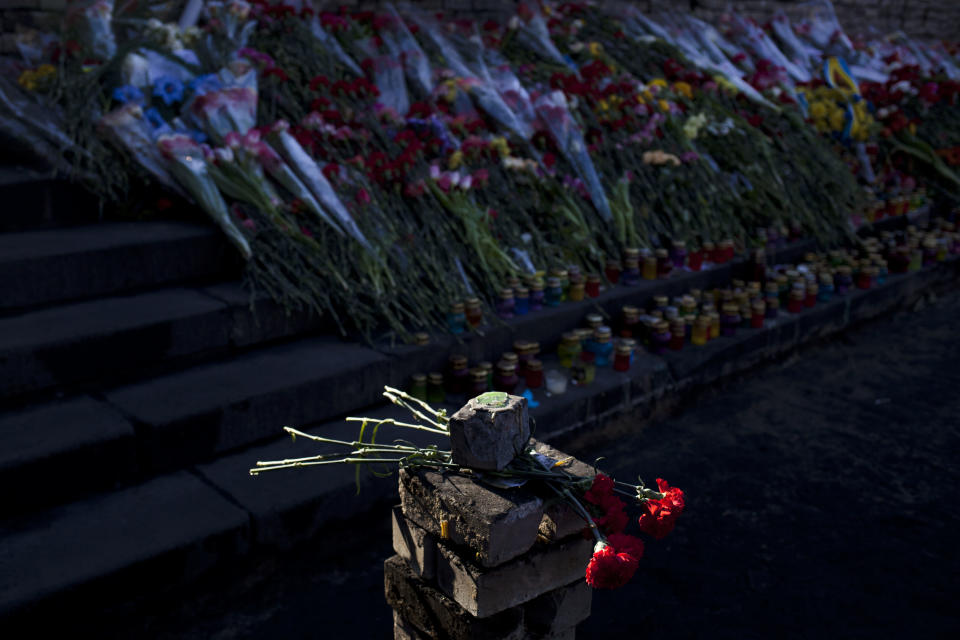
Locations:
{"points": [[696, 317], [549, 289]]}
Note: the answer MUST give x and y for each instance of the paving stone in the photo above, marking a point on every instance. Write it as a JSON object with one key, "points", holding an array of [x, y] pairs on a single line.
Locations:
{"points": [[489, 431], [290, 506], [496, 524], [437, 616], [164, 531], [487, 591], [54, 265], [56, 451], [558, 611], [414, 544], [189, 415], [87, 340]]}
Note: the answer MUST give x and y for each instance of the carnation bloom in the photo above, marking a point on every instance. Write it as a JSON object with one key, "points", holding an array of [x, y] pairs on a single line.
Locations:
{"points": [[614, 562], [661, 515]]}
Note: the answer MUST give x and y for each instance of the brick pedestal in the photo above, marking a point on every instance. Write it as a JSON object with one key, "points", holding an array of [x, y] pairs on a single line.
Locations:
{"points": [[479, 562]]}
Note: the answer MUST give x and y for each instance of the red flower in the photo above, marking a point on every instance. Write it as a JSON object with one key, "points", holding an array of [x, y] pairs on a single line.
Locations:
{"points": [[600, 490], [319, 81], [661, 515], [363, 197], [549, 160], [277, 73], [610, 568]]}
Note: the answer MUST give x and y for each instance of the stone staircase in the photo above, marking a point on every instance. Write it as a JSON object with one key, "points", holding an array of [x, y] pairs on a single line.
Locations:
{"points": [[139, 383]]}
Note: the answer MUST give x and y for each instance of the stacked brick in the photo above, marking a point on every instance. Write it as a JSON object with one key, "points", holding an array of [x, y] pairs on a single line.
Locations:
{"points": [[474, 561]]}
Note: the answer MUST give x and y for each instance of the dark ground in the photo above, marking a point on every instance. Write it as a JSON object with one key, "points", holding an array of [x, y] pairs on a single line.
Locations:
{"points": [[822, 502]]}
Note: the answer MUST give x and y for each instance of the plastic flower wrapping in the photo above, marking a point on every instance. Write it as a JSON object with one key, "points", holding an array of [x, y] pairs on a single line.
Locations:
{"points": [[381, 150]]}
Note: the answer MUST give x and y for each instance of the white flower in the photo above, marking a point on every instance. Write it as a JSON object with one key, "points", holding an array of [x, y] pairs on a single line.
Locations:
{"points": [[514, 23], [576, 47], [136, 70], [466, 183]]}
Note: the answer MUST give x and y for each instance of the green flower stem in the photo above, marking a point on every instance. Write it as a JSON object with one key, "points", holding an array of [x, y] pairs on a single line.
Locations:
{"points": [[407, 425]]}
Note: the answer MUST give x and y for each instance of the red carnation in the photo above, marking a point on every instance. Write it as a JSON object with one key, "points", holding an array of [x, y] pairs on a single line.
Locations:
{"points": [[600, 490], [661, 515], [610, 568]]}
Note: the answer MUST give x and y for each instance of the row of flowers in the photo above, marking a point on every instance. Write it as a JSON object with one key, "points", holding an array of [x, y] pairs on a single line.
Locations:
{"points": [[350, 155]]}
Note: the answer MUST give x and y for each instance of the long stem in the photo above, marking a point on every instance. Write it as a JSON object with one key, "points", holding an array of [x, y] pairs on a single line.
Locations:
{"points": [[407, 425], [565, 494]]}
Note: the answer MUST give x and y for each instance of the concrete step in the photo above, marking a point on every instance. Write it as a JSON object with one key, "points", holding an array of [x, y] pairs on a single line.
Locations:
{"points": [[85, 343], [166, 530], [57, 265], [195, 414], [36, 199]]}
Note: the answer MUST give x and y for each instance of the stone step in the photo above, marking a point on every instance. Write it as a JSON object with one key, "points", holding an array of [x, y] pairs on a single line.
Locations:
{"points": [[85, 343], [57, 265], [36, 199], [165, 531], [203, 411]]}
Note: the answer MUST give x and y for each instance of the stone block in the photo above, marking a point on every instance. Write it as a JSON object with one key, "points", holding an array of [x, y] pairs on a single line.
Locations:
{"points": [[559, 610], [415, 545], [403, 630], [496, 524], [436, 616], [559, 519], [489, 431], [486, 592]]}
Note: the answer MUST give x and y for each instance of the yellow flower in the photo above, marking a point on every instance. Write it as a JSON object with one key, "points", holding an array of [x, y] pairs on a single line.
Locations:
{"points": [[46, 70], [647, 96], [499, 144], [818, 110], [658, 82], [837, 119], [664, 105], [603, 105], [684, 89], [616, 100], [456, 159], [28, 80], [913, 128], [595, 49]]}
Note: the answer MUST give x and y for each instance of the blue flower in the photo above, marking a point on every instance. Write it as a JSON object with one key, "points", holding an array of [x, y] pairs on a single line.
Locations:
{"points": [[198, 136], [154, 118], [168, 89], [127, 93]]}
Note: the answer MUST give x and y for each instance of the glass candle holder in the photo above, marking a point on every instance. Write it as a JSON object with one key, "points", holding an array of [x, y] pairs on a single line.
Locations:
{"points": [[796, 301], [612, 271], [773, 308], [537, 296], [601, 345], [729, 319], [474, 312], [456, 318], [553, 293], [825, 292], [688, 306], [813, 291], [660, 340], [630, 321], [715, 325], [631, 271], [556, 381], [663, 263], [522, 350], [418, 386], [649, 268], [568, 349], [506, 304], [488, 368], [435, 392], [478, 382], [576, 292], [533, 374], [458, 375], [727, 247], [622, 357], [521, 297], [709, 250], [701, 331], [695, 260], [678, 254], [563, 281], [592, 286], [678, 335], [505, 377], [660, 303], [758, 312]]}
